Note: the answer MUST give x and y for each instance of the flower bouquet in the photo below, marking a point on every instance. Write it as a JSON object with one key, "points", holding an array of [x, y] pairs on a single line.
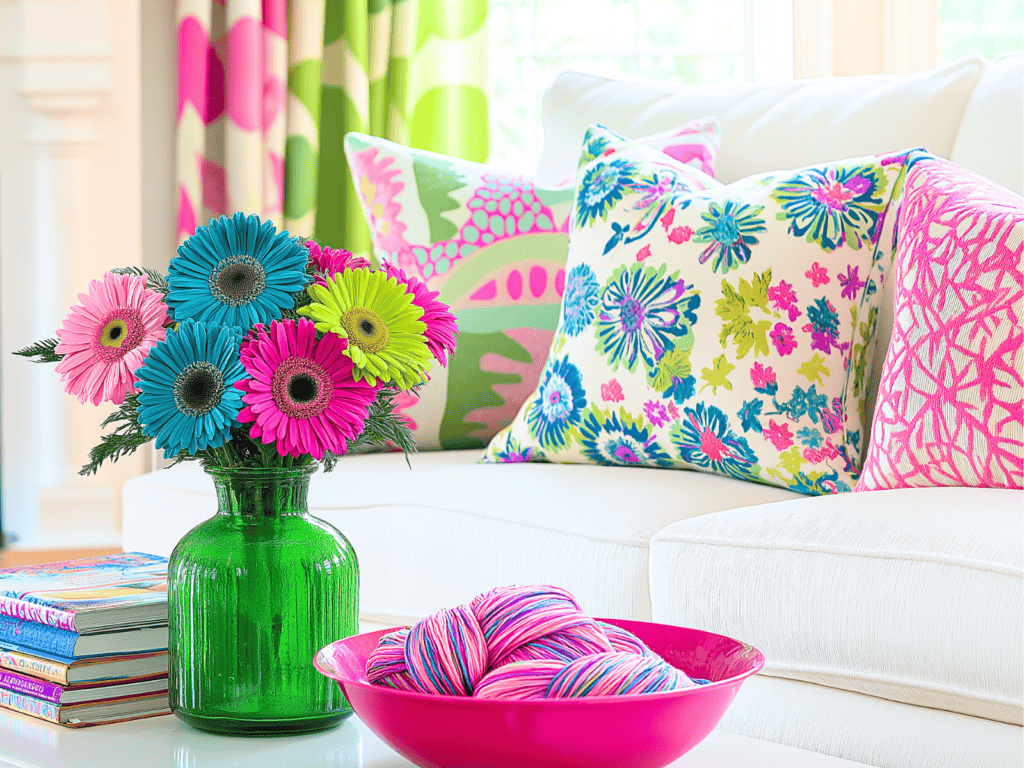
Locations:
{"points": [[262, 356], [256, 350]]}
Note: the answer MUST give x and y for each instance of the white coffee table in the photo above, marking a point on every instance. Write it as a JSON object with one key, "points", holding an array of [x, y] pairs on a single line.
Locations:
{"points": [[166, 742]]}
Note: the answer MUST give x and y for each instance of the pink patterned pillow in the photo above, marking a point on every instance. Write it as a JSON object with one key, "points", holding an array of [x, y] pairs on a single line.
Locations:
{"points": [[950, 403]]}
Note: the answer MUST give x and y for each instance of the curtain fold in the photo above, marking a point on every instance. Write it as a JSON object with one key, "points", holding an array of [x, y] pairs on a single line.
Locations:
{"points": [[267, 90]]}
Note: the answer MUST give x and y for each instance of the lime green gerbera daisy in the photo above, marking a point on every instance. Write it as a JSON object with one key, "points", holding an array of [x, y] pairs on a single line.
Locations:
{"points": [[376, 314]]}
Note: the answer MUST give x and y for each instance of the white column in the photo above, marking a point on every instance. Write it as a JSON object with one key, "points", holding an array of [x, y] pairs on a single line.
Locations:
{"points": [[58, 56]]}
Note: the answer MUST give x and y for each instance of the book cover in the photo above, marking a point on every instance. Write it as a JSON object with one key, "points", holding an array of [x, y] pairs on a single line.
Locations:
{"points": [[23, 635], [61, 644], [29, 686], [86, 692], [71, 671], [56, 594], [29, 705], [36, 666]]}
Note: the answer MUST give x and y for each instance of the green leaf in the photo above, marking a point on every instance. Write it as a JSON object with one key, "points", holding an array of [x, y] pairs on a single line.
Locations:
{"points": [[731, 306], [154, 280], [756, 294], [124, 440], [813, 369], [44, 350], [674, 364], [436, 179], [716, 377]]}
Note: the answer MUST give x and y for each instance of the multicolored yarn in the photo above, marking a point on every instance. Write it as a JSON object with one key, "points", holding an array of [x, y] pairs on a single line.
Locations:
{"points": [[624, 640], [519, 642], [615, 674], [518, 618], [519, 680], [446, 653], [386, 663]]}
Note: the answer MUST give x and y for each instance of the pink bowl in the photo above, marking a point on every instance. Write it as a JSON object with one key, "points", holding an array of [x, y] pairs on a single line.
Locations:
{"points": [[646, 731]]}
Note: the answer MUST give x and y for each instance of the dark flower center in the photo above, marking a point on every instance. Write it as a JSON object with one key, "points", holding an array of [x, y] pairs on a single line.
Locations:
{"points": [[237, 280], [198, 388], [632, 314], [366, 329], [301, 387]]}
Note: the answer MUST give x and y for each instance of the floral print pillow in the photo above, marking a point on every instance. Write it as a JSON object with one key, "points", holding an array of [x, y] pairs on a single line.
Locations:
{"points": [[493, 245], [727, 329]]}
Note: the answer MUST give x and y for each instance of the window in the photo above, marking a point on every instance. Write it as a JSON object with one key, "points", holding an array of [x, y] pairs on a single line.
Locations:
{"points": [[989, 27], [672, 41]]}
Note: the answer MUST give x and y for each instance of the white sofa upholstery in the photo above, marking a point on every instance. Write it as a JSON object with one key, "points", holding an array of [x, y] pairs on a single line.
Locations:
{"points": [[892, 622]]}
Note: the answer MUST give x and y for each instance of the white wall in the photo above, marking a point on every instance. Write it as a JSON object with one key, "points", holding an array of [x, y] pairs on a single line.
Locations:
{"points": [[70, 208]]}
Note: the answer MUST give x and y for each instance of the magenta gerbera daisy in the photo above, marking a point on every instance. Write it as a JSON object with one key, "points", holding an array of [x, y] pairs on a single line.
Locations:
{"points": [[441, 323], [106, 339], [301, 395], [327, 261]]}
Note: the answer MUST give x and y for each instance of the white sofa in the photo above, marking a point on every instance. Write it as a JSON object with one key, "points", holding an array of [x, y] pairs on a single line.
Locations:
{"points": [[891, 621]]}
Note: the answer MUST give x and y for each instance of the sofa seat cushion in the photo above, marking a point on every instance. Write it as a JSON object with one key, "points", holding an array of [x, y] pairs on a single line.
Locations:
{"points": [[912, 595], [450, 528]]}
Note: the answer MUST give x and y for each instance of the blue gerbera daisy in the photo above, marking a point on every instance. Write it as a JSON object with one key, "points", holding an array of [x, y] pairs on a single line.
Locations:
{"points": [[620, 439], [236, 271], [579, 300], [559, 401], [188, 401]]}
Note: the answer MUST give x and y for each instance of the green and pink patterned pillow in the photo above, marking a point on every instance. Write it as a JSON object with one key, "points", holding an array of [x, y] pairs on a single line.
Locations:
{"points": [[494, 245], [950, 408], [727, 329]]}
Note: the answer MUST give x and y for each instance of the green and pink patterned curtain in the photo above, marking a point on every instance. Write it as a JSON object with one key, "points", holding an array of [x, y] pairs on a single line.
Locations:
{"points": [[267, 89]]}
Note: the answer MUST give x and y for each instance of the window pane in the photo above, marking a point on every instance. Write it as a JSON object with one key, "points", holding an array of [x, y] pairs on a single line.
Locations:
{"points": [[508, 26], [990, 27], [564, 28], [515, 121], [676, 70], [691, 24]]}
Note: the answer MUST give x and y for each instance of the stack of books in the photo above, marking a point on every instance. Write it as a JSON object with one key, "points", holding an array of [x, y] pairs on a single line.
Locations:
{"points": [[84, 642]]}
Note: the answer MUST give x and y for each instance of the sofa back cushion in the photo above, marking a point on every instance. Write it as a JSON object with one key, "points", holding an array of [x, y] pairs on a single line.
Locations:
{"points": [[991, 136], [799, 123], [766, 127]]}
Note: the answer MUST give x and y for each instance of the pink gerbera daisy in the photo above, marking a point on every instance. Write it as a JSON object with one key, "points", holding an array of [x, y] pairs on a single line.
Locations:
{"points": [[327, 262], [107, 339], [441, 323], [301, 394]]}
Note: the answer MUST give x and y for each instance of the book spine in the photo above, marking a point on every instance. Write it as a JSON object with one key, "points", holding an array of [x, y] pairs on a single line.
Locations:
{"points": [[18, 634], [54, 671], [39, 689], [41, 614], [29, 705]]}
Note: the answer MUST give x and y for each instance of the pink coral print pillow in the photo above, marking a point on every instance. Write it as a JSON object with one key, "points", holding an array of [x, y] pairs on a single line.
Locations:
{"points": [[493, 245], [949, 405]]}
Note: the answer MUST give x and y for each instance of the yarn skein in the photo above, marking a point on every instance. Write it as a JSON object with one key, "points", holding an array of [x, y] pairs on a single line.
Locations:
{"points": [[519, 642]]}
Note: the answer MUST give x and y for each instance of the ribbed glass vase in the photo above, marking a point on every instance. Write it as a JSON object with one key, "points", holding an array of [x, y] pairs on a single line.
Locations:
{"points": [[253, 594]]}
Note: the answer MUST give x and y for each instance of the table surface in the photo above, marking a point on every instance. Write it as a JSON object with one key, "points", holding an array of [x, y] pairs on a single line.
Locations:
{"points": [[166, 742]]}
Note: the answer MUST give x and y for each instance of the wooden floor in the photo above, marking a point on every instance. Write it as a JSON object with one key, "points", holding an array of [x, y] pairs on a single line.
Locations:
{"points": [[11, 558]]}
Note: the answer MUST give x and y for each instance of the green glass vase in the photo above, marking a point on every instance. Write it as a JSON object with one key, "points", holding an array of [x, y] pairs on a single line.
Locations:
{"points": [[253, 594]]}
